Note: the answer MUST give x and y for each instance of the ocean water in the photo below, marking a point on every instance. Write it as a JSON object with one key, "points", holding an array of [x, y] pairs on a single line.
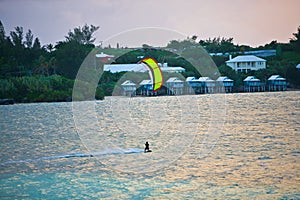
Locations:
{"points": [[219, 146]]}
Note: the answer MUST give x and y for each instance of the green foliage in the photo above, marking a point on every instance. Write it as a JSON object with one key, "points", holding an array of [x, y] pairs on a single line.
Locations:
{"points": [[82, 35], [41, 88], [69, 56], [18, 55], [219, 45], [181, 45], [295, 41]]}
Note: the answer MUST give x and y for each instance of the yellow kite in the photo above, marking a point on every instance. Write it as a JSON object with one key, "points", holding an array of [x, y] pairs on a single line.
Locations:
{"points": [[154, 72]]}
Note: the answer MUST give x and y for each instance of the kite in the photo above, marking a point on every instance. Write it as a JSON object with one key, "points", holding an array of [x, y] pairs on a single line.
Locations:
{"points": [[154, 72]]}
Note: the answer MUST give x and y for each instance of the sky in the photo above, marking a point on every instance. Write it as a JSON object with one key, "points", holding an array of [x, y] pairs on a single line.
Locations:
{"points": [[249, 22]]}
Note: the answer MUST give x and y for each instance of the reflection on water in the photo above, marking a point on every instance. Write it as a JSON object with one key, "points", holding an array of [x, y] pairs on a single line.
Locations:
{"points": [[253, 153]]}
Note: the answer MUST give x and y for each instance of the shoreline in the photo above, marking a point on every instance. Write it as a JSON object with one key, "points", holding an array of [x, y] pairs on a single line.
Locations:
{"points": [[16, 102]]}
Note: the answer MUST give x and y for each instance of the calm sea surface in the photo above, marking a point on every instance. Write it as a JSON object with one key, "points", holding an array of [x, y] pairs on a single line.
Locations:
{"points": [[233, 146]]}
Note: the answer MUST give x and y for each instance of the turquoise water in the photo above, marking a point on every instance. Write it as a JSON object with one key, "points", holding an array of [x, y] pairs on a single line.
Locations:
{"points": [[249, 147]]}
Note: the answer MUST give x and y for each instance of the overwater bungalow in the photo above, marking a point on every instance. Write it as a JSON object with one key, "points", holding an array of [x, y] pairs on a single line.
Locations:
{"points": [[175, 86], [128, 88], [224, 84], [298, 67], [207, 85], [193, 85], [276, 83], [146, 88], [252, 84]]}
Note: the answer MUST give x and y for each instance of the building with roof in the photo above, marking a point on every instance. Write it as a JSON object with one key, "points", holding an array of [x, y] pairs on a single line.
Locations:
{"points": [[128, 88], [175, 86], [276, 83], [246, 63], [116, 68], [172, 69], [224, 84], [253, 84], [140, 67], [207, 85], [146, 88], [260, 53], [192, 84], [105, 57]]}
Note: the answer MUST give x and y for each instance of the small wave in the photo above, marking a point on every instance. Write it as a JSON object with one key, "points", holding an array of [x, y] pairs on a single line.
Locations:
{"points": [[119, 151], [80, 155]]}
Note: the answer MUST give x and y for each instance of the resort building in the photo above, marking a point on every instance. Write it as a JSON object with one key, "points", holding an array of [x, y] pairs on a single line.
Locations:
{"points": [[129, 88], [115, 68], [246, 63], [207, 85], [146, 88], [276, 83], [105, 57], [192, 84], [203, 85], [139, 67], [298, 67], [175, 86], [252, 84], [165, 68], [224, 84]]}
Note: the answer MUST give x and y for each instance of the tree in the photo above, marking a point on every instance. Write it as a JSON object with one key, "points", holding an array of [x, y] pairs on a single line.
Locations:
{"points": [[295, 41], [174, 44], [218, 45], [2, 33], [194, 37], [28, 39], [50, 47], [272, 45], [82, 35], [181, 45], [36, 44], [17, 36], [146, 46], [69, 56]]}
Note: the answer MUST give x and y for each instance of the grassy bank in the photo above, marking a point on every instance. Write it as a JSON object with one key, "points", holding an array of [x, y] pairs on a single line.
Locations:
{"points": [[40, 88]]}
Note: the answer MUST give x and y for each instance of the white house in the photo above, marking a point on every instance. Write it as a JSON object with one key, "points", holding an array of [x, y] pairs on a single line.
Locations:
{"points": [[129, 88], [246, 63]]}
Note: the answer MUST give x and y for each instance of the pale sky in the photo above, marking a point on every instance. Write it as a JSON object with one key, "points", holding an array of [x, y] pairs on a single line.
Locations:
{"points": [[250, 22]]}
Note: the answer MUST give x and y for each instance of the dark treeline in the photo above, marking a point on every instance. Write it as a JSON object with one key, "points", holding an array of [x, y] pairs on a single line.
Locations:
{"points": [[32, 72]]}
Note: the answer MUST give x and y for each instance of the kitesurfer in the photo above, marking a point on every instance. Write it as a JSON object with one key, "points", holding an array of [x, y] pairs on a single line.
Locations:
{"points": [[146, 147]]}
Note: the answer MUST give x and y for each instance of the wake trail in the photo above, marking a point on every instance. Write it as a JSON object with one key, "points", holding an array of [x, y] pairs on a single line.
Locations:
{"points": [[79, 155]]}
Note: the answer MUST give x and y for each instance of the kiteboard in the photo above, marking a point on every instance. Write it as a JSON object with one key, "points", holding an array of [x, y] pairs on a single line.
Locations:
{"points": [[148, 151]]}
